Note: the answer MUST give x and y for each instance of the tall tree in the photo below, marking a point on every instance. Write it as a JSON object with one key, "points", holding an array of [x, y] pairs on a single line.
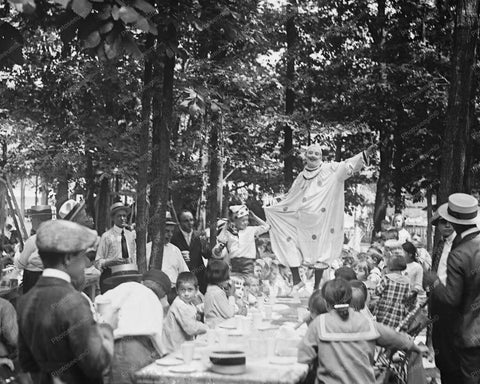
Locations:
{"points": [[291, 32], [458, 119]]}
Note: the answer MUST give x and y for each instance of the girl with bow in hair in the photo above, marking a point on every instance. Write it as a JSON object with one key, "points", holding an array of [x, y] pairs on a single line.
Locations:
{"points": [[343, 340]]}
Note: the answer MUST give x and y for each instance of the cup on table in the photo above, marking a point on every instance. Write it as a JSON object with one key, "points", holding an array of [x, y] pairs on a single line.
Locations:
{"points": [[257, 348], [268, 311], [186, 256], [257, 319], [211, 337], [222, 336], [246, 324], [270, 343], [103, 305], [261, 303], [187, 349]]}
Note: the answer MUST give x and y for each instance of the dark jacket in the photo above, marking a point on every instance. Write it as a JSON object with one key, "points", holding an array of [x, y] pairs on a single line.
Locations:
{"points": [[197, 253], [462, 290], [58, 336]]}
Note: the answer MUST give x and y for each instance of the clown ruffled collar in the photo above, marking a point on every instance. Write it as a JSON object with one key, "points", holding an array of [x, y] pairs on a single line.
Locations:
{"points": [[311, 173]]}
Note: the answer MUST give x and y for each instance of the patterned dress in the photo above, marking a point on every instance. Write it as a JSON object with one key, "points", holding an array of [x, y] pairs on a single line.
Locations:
{"points": [[392, 290]]}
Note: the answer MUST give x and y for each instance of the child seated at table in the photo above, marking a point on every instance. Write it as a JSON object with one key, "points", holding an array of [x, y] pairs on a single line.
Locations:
{"points": [[361, 270], [373, 261], [278, 285], [220, 295], [346, 273], [316, 306], [343, 341], [252, 290], [360, 298], [240, 296], [181, 323]]}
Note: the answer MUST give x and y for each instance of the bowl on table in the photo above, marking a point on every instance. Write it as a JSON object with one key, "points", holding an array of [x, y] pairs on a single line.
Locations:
{"points": [[228, 361]]}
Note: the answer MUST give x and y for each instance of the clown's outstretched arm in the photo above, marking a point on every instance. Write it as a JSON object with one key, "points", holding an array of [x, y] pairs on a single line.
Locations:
{"points": [[367, 153], [354, 164]]}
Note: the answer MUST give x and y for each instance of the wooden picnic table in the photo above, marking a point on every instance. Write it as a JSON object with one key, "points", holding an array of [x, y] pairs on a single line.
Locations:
{"points": [[259, 369]]}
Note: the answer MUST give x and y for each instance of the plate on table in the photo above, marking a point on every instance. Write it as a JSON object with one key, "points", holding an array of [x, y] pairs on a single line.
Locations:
{"points": [[227, 325], [183, 369], [280, 307], [197, 355], [282, 360], [267, 326], [235, 332], [168, 361]]}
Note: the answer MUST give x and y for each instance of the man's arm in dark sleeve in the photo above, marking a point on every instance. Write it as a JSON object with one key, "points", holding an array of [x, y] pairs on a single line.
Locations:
{"points": [[91, 343], [25, 356]]}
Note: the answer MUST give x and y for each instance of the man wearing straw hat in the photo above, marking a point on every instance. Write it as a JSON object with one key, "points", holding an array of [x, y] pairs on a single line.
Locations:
{"points": [[442, 333], [117, 245], [58, 337], [173, 262], [461, 289]]}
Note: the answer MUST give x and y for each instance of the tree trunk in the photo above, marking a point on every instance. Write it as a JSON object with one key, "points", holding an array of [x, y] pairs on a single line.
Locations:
{"points": [[290, 94], [141, 219], [3, 211], [102, 219], [22, 198], [384, 177], [90, 181], [214, 178], [383, 185], [429, 218], [62, 192], [162, 121], [458, 110]]}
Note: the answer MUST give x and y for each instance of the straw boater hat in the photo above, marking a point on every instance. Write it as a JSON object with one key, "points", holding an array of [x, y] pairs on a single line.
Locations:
{"points": [[460, 209], [123, 273], [70, 209], [169, 219], [119, 207]]}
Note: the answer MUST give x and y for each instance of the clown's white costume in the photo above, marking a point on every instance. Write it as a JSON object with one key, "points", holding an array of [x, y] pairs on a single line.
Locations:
{"points": [[307, 225]]}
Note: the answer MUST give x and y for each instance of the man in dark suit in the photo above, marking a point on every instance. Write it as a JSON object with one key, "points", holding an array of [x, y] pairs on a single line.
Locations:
{"points": [[444, 315], [58, 337], [462, 288], [191, 246]]}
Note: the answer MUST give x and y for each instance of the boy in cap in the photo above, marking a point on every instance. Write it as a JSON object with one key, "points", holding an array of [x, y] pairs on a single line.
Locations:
{"points": [[58, 336], [239, 239], [117, 245]]}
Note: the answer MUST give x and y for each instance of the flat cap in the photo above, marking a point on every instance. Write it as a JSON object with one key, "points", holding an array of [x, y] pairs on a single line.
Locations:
{"points": [[63, 236]]}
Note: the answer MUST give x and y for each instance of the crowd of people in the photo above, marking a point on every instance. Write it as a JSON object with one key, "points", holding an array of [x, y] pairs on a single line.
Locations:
{"points": [[363, 297]]}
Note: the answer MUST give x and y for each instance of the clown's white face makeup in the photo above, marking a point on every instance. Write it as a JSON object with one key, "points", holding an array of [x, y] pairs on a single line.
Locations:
{"points": [[313, 156]]}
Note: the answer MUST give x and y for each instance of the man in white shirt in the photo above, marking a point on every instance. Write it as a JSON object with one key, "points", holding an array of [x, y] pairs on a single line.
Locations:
{"points": [[117, 245], [173, 263]]}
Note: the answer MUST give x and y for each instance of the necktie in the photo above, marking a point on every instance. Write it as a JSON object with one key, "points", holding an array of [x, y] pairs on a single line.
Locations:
{"points": [[438, 254], [124, 246]]}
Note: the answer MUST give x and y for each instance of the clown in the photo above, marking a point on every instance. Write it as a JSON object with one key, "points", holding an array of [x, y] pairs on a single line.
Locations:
{"points": [[307, 225]]}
